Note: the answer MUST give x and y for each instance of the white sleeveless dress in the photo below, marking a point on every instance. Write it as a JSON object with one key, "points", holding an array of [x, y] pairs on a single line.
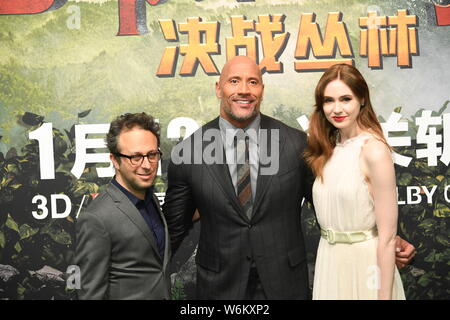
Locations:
{"points": [[343, 203]]}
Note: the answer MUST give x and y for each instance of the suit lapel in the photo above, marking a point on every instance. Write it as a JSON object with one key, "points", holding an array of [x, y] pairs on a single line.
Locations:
{"points": [[221, 174], [127, 208], [264, 181], [167, 250], [220, 171]]}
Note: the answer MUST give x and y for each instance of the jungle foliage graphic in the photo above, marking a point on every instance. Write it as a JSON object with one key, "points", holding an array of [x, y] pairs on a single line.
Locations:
{"points": [[53, 72]]}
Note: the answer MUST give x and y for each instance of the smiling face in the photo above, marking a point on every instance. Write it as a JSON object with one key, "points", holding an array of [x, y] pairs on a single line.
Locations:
{"points": [[341, 107], [136, 179], [240, 89]]}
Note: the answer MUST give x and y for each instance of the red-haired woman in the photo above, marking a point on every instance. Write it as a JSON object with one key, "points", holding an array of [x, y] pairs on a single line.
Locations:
{"points": [[354, 192]]}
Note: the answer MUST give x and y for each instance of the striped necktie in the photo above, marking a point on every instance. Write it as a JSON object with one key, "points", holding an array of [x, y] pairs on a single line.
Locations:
{"points": [[244, 188]]}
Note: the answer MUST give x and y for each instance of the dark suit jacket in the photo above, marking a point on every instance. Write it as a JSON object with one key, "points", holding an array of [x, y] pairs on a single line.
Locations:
{"points": [[117, 252], [228, 239]]}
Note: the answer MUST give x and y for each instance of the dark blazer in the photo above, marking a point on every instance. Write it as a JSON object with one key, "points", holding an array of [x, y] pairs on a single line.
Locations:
{"points": [[228, 239], [117, 252]]}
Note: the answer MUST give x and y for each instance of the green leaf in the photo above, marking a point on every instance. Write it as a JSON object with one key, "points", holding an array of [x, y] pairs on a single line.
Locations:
{"points": [[20, 291], [60, 145], [81, 188], [434, 256], [404, 229], [427, 224], [57, 234], [84, 113], [10, 223], [398, 109], [2, 239], [5, 181], [441, 111], [405, 179], [443, 240], [178, 291], [11, 167], [441, 211], [424, 280], [26, 231], [418, 113], [32, 119], [12, 153], [61, 237], [18, 247]]}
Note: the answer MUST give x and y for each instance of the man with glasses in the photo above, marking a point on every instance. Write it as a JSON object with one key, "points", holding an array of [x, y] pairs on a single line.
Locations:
{"points": [[122, 241]]}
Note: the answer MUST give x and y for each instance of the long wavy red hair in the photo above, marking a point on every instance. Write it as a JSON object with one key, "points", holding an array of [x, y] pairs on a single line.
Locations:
{"points": [[322, 134]]}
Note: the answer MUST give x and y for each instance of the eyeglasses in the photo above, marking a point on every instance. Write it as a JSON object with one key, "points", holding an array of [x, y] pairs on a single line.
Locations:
{"points": [[136, 160]]}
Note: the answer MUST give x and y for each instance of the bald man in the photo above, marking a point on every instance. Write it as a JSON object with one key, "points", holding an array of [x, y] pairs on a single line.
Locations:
{"points": [[248, 188]]}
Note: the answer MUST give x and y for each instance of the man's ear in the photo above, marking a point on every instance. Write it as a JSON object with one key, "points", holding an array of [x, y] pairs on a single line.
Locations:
{"points": [[218, 91], [114, 161]]}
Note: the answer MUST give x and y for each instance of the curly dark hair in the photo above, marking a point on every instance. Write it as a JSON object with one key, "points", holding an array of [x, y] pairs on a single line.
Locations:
{"points": [[129, 121]]}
